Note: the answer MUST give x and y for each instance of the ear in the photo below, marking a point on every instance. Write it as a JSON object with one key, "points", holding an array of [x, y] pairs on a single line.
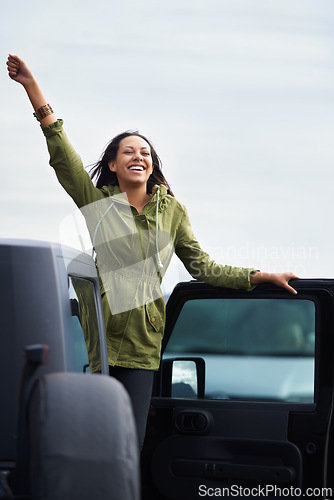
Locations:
{"points": [[111, 166]]}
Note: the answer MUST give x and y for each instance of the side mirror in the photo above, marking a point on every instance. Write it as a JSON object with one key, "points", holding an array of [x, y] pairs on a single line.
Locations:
{"points": [[183, 377]]}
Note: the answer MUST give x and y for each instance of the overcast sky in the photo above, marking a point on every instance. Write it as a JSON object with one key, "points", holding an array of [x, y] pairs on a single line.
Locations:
{"points": [[236, 95]]}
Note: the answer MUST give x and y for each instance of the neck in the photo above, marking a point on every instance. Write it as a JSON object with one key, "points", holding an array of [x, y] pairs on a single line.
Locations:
{"points": [[136, 195]]}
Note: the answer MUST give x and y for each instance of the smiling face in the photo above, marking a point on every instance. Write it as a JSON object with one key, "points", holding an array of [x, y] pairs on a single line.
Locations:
{"points": [[133, 164]]}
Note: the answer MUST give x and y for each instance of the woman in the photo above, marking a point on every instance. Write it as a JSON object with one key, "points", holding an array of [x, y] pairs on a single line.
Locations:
{"points": [[135, 224]]}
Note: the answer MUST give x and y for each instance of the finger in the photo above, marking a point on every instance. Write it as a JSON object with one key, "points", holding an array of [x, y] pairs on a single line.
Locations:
{"points": [[290, 288], [293, 276], [13, 58], [16, 60], [11, 62], [11, 65], [12, 68]]}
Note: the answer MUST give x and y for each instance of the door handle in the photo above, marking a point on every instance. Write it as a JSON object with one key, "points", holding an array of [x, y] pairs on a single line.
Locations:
{"points": [[192, 422], [227, 470]]}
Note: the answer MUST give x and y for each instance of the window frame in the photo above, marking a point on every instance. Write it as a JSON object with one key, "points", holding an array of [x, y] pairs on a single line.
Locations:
{"points": [[310, 289]]}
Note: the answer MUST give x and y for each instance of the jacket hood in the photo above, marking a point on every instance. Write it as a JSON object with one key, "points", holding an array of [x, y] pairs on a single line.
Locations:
{"points": [[159, 194]]}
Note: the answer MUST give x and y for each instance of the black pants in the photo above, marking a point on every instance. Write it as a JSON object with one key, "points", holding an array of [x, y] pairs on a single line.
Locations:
{"points": [[138, 384]]}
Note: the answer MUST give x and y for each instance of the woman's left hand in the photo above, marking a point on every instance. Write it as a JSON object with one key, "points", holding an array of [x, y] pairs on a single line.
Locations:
{"points": [[278, 279]]}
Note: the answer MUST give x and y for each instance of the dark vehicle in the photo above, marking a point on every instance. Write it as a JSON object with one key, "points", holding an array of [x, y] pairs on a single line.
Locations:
{"points": [[243, 401], [242, 404], [64, 433]]}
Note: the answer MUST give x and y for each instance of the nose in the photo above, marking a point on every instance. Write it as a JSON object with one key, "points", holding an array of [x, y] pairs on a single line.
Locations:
{"points": [[137, 156]]}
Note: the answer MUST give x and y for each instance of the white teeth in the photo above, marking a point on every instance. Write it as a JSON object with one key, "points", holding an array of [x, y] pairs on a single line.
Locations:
{"points": [[139, 169]]}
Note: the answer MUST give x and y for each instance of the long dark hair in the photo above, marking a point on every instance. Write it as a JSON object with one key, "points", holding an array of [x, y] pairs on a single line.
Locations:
{"points": [[105, 176]]}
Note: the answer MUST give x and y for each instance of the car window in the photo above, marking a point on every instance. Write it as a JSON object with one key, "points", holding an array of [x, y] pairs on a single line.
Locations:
{"points": [[83, 344], [254, 349]]}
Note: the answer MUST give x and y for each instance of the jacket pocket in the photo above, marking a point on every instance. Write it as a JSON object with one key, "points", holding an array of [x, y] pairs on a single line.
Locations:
{"points": [[155, 315]]}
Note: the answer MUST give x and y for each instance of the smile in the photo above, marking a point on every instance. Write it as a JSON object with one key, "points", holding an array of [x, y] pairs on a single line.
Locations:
{"points": [[137, 168]]}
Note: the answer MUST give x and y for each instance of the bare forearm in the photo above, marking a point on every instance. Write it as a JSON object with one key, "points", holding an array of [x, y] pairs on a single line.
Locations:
{"points": [[38, 100], [259, 277]]}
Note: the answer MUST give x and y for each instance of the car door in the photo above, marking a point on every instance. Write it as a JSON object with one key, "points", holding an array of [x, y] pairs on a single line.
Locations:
{"points": [[242, 403]]}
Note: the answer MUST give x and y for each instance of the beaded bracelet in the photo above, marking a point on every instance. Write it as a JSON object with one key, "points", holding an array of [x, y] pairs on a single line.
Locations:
{"points": [[42, 112]]}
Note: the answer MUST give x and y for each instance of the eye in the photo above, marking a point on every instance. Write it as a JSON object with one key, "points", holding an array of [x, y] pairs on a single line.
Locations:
{"points": [[146, 153]]}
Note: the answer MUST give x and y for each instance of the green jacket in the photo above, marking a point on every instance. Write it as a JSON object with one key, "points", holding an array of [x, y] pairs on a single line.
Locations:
{"points": [[133, 252]]}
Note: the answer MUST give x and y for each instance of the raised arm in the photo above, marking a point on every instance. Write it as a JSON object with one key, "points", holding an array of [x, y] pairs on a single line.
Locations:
{"points": [[19, 72], [63, 157]]}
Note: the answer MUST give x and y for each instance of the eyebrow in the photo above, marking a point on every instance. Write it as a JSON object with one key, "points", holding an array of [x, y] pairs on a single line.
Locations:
{"points": [[131, 147]]}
